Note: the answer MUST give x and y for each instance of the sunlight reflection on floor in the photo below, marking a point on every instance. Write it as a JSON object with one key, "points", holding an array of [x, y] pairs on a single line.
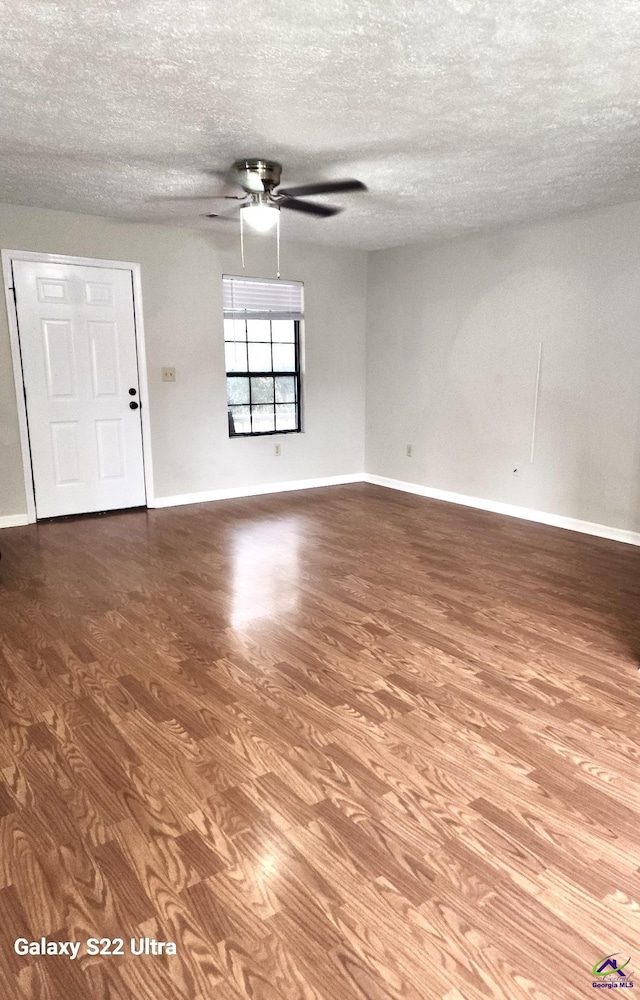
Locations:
{"points": [[266, 569]]}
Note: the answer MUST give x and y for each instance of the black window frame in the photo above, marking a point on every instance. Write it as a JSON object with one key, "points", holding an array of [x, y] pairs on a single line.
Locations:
{"points": [[296, 374]]}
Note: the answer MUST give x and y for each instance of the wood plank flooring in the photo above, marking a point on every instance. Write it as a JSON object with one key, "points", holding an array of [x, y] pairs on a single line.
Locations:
{"points": [[345, 744]]}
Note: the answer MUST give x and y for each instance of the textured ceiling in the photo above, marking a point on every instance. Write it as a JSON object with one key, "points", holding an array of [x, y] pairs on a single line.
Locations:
{"points": [[458, 114]]}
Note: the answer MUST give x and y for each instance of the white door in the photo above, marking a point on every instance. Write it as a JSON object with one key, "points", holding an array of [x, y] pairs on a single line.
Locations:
{"points": [[78, 346]]}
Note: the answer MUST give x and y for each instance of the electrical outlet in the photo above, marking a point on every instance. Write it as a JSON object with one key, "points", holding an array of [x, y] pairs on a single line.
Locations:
{"points": [[277, 449], [168, 374], [409, 450]]}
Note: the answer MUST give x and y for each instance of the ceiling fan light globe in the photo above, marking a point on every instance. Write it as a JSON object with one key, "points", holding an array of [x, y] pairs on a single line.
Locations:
{"points": [[261, 218]]}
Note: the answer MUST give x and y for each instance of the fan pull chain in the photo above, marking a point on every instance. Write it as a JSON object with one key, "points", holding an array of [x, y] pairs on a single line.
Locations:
{"points": [[278, 246], [242, 239]]}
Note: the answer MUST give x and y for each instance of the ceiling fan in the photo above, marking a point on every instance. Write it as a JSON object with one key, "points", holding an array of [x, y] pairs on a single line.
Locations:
{"points": [[263, 197]]}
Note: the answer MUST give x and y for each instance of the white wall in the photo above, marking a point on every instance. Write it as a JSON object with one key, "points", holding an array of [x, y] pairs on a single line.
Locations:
{"points": [[182, 299], [452, 343], [452, 340]]}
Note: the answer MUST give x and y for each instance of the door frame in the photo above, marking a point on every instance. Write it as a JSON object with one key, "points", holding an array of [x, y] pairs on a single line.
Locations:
{"points": [[8, 256]]}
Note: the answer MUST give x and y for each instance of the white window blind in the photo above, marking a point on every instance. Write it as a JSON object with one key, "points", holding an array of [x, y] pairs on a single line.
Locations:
{"points": [[259, 298]]}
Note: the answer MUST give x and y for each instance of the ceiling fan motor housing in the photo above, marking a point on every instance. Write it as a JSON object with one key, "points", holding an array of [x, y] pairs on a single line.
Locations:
{"points": [[258, 176]]}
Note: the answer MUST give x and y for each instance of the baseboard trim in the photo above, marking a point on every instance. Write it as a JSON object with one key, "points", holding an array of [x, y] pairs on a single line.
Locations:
{"points": [[207, 496], [510, 510], [494, 506], [13, 520]]}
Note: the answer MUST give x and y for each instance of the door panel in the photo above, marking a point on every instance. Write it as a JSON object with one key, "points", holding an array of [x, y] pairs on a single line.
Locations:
{"points": [[98, 293], [57, 342], [105, 364], [66, 453], [111, 461], [78, 347], [50, 290]]}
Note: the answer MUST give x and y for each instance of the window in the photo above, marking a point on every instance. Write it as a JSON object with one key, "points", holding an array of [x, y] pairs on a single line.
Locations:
{"points": [[262, 351]]}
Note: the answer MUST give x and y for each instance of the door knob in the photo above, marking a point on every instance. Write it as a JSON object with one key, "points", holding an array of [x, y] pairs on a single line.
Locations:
{"points": [[133, 405]]}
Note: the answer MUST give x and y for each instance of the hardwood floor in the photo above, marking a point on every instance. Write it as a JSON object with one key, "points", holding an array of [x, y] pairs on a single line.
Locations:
{"points": [[346, 744]]}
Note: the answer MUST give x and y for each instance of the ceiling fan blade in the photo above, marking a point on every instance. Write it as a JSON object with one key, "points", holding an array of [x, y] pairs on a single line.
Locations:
{"points": [[323, 187], [230, 216], [201, 197], [308, 207]]}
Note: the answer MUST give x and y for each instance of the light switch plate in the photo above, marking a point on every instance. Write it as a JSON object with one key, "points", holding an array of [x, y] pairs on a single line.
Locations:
{"points": [[168, 374]]}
